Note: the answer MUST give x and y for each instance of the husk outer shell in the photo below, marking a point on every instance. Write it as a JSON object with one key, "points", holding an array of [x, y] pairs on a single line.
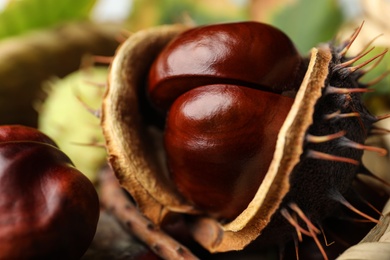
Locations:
{"points": [[250, 223], [141, 173], [132, 152]]}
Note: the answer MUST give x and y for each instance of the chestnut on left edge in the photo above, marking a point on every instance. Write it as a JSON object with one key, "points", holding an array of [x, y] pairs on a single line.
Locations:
{"points": [[48, 209]]}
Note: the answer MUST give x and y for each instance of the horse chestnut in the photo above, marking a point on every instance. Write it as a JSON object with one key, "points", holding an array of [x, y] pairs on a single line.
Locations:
{"points": [[261, 144], [248, 54], [214, 144], [218, 137], [48, 209]]}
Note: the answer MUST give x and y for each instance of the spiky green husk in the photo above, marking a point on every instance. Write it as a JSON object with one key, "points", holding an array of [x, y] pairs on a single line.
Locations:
{"points": [[65, 117]]}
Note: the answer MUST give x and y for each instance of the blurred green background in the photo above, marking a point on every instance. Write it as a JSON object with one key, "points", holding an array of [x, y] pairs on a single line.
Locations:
{"points": [[306, 21]]}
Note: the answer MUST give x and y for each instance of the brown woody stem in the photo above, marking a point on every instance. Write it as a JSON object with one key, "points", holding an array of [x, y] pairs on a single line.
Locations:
{"points": [[115, 201]]}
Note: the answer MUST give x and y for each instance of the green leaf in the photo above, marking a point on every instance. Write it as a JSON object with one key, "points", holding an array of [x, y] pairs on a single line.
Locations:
{"points": [[146, 13], [25, 15], [309, 22]]}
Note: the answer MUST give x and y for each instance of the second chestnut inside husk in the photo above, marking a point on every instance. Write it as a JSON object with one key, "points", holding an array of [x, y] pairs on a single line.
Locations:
{"points": [[136, 150]]}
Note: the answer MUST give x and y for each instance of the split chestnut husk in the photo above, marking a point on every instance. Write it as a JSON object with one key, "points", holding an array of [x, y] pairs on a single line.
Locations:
{"points": [[315, 160]]}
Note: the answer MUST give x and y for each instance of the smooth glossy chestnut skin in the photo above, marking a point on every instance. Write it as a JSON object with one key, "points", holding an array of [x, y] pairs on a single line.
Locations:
{"points": [[219, 141], [48, 209], [246, 53]]}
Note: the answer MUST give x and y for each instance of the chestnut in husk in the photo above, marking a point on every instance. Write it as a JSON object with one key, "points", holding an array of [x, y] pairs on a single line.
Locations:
{"points": [[248, 54], [260, 143], [222, 95], [48, 209], [212, 137]]}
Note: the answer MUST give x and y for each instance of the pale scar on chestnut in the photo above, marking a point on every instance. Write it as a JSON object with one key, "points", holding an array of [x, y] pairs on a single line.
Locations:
{"points": [[253, 152]]}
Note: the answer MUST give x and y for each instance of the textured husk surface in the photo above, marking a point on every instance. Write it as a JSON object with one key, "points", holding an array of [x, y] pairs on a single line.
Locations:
{"points": [[133, 147], [376, 244]]}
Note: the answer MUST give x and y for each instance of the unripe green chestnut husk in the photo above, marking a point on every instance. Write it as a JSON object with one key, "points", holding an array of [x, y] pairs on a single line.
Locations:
{"points": [[64, 117], [48, 209], [316, 150]]}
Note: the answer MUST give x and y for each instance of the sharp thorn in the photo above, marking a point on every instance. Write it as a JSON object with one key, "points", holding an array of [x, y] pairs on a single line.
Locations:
{"points": [[329, 157], [94, 112], [361, 65], [299, 233], [373, 66], [325, 138], [369, 204], [300, 230], [126, 33], [123, 36], [335, 90], [354, 220], [351, 40], [353, 60], [318, 243], [345, 142], [337, 196], [376, 130], [313, 230], [368, 44], [96, 84], [325, 238], [363, 170], [377, 79], [99, 145], [338, 115], [103, 59], [120, 38], [382, 117], [303, 216], [296, 247]]}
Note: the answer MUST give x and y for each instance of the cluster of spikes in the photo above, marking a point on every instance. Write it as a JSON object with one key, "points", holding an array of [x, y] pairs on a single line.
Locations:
{"points": [[294, 215]]}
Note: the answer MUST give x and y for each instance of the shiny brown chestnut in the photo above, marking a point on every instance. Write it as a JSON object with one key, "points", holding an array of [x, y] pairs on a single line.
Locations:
{"points": [[316, 157], [221, 141], [248, 54], [214, 145], [225, 148], [48, 209]]}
